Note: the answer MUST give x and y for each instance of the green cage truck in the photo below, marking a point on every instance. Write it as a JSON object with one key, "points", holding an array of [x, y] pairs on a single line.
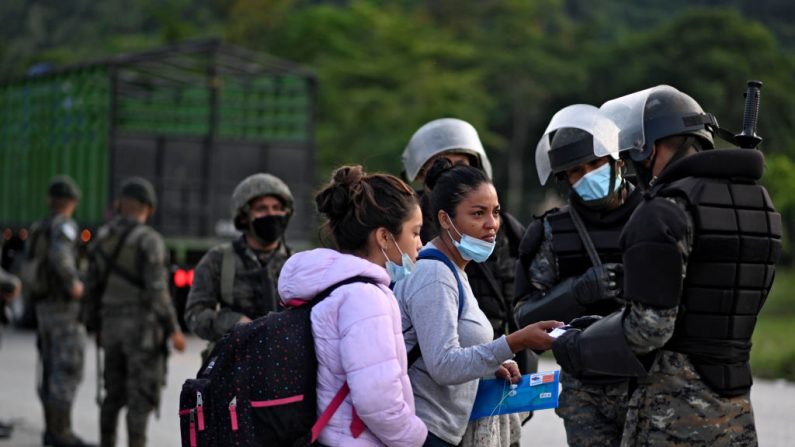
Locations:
{"points": [[193, 118]]}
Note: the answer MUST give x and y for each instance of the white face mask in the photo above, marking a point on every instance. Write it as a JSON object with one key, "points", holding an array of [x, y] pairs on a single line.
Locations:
{"points": [[397, 272]]}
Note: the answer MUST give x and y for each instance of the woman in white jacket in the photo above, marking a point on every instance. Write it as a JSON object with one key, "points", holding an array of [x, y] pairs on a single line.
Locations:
{"points": [[374, 221]]}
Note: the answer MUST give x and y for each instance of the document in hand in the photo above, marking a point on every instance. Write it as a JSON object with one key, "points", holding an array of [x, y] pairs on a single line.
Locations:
{"points": [[537, 391]]}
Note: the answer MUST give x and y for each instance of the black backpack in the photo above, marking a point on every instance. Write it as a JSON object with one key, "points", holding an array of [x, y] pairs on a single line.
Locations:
{"points": [[258, 386]]}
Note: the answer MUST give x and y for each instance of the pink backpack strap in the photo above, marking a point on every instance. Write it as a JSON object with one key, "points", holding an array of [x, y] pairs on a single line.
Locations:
{"points": [[325, 417], [357, 425]]}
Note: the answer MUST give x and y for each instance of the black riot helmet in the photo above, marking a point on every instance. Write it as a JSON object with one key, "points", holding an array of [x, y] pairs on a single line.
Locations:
{"points": [[650, 115], [570, 147]]}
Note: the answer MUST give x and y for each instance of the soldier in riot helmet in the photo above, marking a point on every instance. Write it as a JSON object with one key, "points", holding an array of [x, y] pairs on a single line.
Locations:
{"points": [[491, 281], [699, 255], [235, 282], [53, 242], [129, 307], [570, 262]]}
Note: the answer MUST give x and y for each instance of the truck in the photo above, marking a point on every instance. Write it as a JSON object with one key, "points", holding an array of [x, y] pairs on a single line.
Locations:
{"points": [[194, 118]]}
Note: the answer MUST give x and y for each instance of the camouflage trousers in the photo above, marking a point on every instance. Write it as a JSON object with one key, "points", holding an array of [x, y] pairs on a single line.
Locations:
{"points": [[593, 415], [673, 407], [134, 377], [61, 343]]}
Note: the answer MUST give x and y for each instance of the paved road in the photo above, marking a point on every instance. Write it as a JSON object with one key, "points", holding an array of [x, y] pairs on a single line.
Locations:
{"points": [[774, 402]]}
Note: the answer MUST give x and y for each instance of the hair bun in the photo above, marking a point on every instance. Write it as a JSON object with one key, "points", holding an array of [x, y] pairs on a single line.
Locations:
{"points": [[439, 167], [334, 200]]}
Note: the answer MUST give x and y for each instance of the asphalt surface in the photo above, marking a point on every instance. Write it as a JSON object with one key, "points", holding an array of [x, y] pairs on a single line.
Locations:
{"points": [[774, 401]]}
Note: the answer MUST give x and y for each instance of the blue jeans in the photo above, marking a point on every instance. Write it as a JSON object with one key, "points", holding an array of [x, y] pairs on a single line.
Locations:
{"points": [[434, 441]]}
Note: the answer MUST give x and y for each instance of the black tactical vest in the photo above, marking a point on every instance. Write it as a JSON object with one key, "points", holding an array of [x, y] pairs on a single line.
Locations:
{"points": [[604, 229], [736, 243]]}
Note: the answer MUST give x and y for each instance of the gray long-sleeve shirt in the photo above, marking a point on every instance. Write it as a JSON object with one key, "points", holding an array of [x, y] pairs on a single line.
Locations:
{"points": [[455, 353]]}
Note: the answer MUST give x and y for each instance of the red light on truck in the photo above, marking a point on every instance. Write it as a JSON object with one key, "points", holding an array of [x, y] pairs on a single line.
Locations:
{"points": [[180, 278]]}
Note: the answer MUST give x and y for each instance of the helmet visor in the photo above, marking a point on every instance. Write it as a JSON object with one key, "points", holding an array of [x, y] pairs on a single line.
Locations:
{"points": [[627, 112], [579, 116]]}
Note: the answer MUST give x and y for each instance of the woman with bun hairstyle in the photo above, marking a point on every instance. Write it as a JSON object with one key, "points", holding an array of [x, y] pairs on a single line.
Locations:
{"points": [[374, 221], [457, 351]]}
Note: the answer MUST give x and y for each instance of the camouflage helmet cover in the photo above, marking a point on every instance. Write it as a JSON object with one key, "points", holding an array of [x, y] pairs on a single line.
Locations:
{"points": [[139, 189], [63, 187], [439, 136], [257, 185]]}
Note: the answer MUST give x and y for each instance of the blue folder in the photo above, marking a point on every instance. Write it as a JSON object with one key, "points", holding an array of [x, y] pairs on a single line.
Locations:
{"points": [[537, 391]]}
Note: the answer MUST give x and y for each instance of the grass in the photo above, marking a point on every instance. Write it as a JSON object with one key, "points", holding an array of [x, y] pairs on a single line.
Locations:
{"points": [[773, 353]]}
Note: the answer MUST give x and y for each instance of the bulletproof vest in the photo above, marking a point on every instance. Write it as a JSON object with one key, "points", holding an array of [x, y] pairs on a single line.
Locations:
{"points": [[736, 243], [253, 286], [604, 229]]}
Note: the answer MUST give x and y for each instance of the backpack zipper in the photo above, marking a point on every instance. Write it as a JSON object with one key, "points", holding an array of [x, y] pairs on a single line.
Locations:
{"points": [[200, 409]]}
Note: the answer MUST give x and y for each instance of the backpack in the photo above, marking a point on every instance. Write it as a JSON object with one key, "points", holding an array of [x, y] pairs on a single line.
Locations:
{"points": [[34, 269], [258, 385]]}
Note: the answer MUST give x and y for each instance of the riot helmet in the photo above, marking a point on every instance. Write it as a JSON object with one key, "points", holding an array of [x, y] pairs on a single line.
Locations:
{"points": [[265, 229], [440, 136], [139, 189], [576, 134], [63, 187], [650, 115]]}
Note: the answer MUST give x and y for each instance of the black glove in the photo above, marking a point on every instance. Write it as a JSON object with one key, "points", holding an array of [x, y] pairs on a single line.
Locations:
{"points": [[567, 352], [584, 321], [602, 282]]}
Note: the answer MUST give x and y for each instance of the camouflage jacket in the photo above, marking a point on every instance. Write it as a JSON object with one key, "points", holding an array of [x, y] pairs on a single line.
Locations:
{"points": [[61, 234], [254, 291]]}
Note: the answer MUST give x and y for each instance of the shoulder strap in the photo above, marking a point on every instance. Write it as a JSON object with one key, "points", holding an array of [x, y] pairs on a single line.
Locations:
{"points": [[586, 238], [325, 293], [325, 417], [111, 261], [435, 254], [227, 273]]}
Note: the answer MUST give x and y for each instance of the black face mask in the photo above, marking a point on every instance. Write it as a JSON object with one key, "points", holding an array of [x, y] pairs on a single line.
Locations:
{"points": [[268, 229]]}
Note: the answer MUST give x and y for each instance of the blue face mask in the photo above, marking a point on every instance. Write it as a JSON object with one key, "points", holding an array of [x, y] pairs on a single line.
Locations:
{"points": [[595, 185], [471, 248], [398, 272]]}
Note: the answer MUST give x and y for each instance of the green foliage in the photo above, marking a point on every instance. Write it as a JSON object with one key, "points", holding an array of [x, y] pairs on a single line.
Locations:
{"points": [[383, 72], [773, 354]]}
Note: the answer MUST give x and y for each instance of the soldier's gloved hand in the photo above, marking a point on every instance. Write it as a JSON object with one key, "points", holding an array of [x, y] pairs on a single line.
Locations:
{"points": [[567, 352], [602, 282], [584, 321]]}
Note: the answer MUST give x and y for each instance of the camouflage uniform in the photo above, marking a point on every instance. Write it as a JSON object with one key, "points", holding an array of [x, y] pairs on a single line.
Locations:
{"points": [[592, 414], [61, 337], [672, 405], [136, 316], [254, 293]]}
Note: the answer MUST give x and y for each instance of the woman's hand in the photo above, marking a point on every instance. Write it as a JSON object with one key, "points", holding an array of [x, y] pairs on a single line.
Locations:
{"points": [[533, 336], [509, 371]]}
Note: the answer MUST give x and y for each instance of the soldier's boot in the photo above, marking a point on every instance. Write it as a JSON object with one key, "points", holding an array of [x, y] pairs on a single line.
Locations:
{"points": [[108, 421], [60, 431], [137, 422], [50, 425]]}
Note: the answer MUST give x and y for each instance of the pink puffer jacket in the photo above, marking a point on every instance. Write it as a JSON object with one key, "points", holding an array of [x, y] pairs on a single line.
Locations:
{"points": [[358, 339]]}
